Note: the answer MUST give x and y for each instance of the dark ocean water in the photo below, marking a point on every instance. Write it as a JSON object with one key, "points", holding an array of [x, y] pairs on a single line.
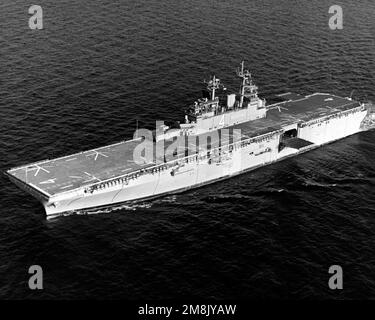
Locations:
{"points": [[99, 65]]}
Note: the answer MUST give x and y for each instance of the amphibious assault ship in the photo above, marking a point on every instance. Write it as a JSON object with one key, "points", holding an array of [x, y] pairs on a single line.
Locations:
{"points": [[223, 135]]}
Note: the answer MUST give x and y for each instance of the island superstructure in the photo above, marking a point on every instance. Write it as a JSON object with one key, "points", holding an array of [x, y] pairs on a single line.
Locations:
{"points": [[256, 135]]}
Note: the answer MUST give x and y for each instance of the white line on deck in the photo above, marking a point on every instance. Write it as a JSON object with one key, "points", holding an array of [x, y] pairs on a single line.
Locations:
{"points": [[37, 168], [70, 159], [48, 181], [68, 186], [92, 177], [96, 153]]}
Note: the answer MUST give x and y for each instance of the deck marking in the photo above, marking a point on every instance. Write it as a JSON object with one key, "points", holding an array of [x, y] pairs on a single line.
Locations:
{"points": [[68, 186], [92, 177], [96, 154], [71, 159], [37, 168], [48, 181]]}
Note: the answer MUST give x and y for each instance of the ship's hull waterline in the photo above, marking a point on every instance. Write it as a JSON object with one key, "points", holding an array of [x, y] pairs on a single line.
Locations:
{"points": [[193, 172]]}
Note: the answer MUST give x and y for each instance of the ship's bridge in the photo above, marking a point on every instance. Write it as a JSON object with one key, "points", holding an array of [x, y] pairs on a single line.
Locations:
{"points": [[204, 107]]}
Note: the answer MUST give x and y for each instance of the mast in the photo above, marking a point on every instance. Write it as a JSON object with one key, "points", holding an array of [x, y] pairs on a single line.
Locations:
{"points": [[241, 74], [213, 88], [213, 85], [248, 89]]}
